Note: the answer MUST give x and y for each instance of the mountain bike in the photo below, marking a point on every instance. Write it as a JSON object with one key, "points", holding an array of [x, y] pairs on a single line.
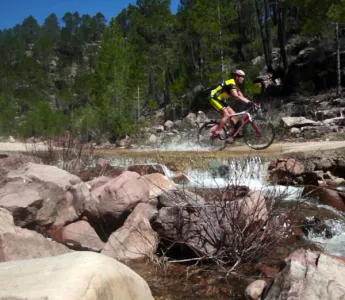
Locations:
{"points": [[258, 132]]}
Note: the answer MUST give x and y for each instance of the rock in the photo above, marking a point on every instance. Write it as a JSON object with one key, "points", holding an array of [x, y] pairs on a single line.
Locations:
{"points": [[189, 121], [15, 161], [251, 208], [152, 139], [328, 175], [178, 123], [78, 235], [181, 179], [294, 167], [323, 164], [159, 128], [44, 173], [201, 118], [158, 184], [112, 203], [136, 238], [11, 139], [255, 290], [309, 276], [297, 122], [310, 132], [98, 181], [6, 221], [148, 169], [78, 275], [102, 163], [295, 131], [318, 174], [184, 217], [336, 181], [168, 125], [19, 244], [194, 226], [42, 195], [124, 143], [179, 197], [332, 198]]}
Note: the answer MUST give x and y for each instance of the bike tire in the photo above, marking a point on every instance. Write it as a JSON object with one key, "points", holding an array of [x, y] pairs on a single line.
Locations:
{"points": [[204, 135], [262, 139]]}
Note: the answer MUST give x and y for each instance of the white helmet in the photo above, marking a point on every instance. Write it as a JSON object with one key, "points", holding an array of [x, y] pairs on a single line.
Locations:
{"points": [[238, 73]]}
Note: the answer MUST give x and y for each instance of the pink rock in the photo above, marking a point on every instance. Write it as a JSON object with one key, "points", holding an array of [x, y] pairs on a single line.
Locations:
{"points": [[295, 167], [135, 239], [78, 234], [102, 163], [309, 275], [255, 289], [118, 197], [157, 184], [19, 244], [98, 181]]}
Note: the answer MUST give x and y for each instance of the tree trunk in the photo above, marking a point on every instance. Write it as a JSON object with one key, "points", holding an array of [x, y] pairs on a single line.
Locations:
{"points": [[262, 32], [282, 34], [268, 29], [221, 40], [338, 59]]}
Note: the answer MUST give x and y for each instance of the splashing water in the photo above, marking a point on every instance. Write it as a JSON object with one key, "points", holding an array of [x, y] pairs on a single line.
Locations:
{"points": [[334, 245]]}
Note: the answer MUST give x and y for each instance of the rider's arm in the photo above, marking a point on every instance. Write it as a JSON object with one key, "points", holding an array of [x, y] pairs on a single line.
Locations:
{"points": [[238, 95]]}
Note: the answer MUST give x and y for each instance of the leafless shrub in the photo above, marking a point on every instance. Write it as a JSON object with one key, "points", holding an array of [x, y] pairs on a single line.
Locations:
{"points": [[70, 152], [231, 229]]}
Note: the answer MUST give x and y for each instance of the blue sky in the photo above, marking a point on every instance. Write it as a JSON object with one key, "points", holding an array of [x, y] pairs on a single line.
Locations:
{"points": [[13, 12]]}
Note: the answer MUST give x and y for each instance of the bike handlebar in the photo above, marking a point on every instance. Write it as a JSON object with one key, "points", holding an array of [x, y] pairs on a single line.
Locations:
{"points": [[253, 107]]}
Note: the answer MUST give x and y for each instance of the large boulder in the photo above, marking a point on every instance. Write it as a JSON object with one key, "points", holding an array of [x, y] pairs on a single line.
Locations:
{"points": [[42, 195], [78, 275], [158, 184], [18, 244], [332, 197], [98, 181], [309, 276], [113, 202], [136, 238], [79, 235]]}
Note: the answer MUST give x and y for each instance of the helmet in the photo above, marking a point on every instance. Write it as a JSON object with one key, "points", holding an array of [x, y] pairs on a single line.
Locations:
{"points": [[238, 73]]}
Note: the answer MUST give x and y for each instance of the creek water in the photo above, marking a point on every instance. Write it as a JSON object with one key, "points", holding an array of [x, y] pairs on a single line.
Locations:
{"points": [[213, 173]]}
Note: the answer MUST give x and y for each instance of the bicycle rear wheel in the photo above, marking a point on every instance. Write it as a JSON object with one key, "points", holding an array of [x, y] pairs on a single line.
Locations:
{"points": [[258, 134], [205, 138]]}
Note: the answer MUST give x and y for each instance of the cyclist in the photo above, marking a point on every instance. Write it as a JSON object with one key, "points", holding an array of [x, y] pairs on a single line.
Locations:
{"points": [[223, 98]]}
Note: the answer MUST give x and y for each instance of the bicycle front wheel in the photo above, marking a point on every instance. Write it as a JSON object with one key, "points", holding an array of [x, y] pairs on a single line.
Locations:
{"points": [[258, 134], [205, 138]]}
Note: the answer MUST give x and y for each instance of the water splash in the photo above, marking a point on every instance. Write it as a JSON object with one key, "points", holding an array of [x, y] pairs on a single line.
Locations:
{"points": [[334, 245]]}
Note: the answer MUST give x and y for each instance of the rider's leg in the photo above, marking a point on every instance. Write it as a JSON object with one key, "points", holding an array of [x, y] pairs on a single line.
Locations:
{"points": [[230, 112], [224, 119]]}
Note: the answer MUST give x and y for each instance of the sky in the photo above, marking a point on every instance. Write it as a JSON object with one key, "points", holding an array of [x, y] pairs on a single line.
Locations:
{"points": [[13, 12]]}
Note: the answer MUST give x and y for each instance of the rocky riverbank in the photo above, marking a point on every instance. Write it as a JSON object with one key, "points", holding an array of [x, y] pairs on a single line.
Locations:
{"points": [[145, 212]]}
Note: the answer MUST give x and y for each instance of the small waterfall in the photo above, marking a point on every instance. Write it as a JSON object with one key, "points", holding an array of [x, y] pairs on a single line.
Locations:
{"points": [[249, 171]]}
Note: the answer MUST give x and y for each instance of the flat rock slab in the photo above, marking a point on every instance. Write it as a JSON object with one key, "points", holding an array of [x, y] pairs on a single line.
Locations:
{"points": [[78, 275], [298, 122]]}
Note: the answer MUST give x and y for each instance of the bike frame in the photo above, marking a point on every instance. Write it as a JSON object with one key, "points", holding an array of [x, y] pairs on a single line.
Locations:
{"points": [[247, 118]]}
